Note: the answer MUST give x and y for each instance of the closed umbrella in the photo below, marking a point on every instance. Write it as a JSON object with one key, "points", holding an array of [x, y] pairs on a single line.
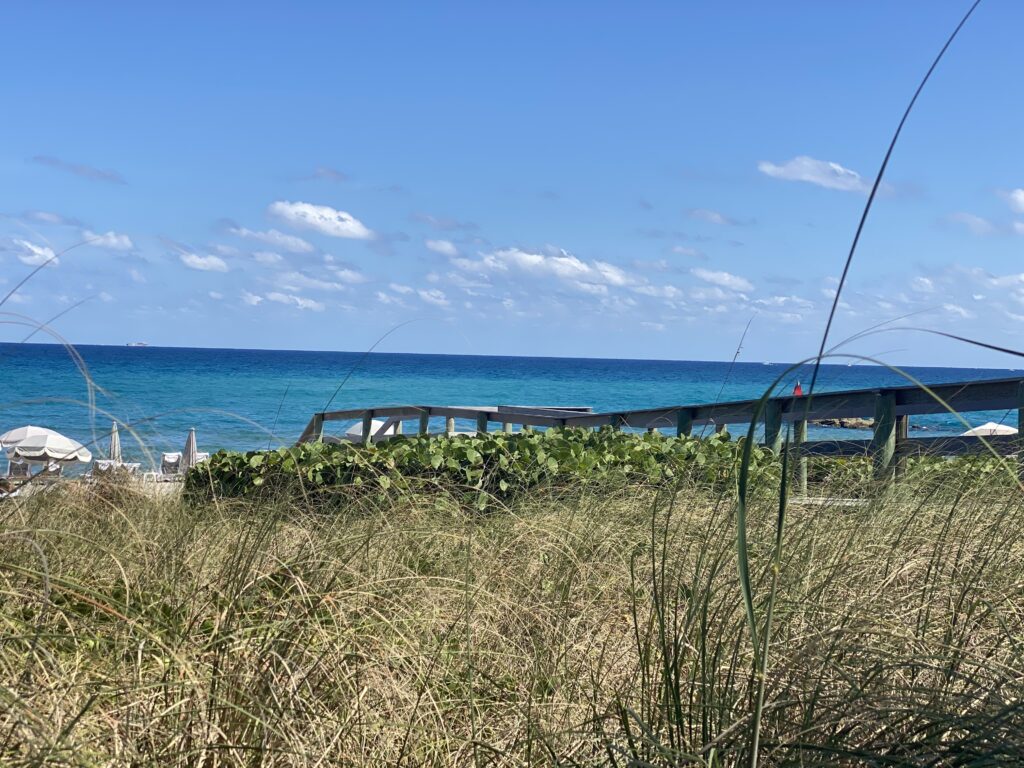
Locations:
{"points": [[189, 453], [44, 448], [989, 429], [115, 444]]}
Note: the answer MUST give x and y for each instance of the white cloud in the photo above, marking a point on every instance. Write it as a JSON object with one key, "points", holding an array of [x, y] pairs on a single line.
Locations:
{"points": [[653, 326], [444, 247], [1015, 199], [434, 296], [785, 301], [922, 285], [113, 240], [136, 276], [1018, 227], [683, 250], [956, 309], [298, 280], [321, 218], [347, 275], [976, 224], [275, 238], [299, 301], [251, 298], [710, 216], [105, 297], [723, 279], [659, 291], [560, 264], [268, 258], [398, 288], [216, 295], [820, 172], [35, 255], [387, 298], [203, 263]]}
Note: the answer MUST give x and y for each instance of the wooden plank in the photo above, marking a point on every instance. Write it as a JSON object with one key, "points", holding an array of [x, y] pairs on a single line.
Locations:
{"points": [[481, 423], [883, 441]]}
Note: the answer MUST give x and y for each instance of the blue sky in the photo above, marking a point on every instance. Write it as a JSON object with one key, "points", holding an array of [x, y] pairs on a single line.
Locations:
{"points": [[579, 180]]}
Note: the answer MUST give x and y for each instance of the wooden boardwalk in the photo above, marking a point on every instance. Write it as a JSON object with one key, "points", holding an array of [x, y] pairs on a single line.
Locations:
{"points": [[890, 407]]}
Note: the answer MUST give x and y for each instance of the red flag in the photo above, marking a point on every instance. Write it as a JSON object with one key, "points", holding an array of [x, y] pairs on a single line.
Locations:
{"points": [[798, 391]]}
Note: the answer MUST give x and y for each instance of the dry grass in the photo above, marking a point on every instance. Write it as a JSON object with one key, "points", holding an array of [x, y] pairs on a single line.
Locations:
{"points": [[601, 626]]}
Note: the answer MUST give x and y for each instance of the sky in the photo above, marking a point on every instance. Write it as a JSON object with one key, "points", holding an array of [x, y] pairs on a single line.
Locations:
{"points": [[566, 179]]}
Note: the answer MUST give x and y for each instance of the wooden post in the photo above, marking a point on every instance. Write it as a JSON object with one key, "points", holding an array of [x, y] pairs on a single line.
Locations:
{"points": [[506, 427], [425, 422], [773, 425], [616, 421], [398, 427], [799, 438], [367, 427], [883, 442], [449, 426], [902, 435], [481, 423], [317, 431], [1020, 429], [684, 422], [719, 429]]}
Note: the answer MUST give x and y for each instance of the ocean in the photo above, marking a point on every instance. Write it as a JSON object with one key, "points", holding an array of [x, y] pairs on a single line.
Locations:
{"points": [[248, 399]]}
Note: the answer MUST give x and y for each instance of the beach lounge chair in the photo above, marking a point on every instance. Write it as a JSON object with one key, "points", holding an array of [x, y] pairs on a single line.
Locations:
{"points": [[53, 471], [170, 466], [18, 470]]}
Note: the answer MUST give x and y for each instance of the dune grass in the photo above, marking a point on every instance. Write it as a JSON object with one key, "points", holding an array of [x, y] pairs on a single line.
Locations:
{"points": [[592, 625]]}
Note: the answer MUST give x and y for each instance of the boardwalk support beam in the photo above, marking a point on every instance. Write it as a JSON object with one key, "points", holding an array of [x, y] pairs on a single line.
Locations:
{"points": [[367, 427], [883, 442], [684, 422], [773, 425], [799, 439]]}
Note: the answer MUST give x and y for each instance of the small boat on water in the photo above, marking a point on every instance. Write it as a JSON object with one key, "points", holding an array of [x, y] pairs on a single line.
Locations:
{"points": [[136, 344]]}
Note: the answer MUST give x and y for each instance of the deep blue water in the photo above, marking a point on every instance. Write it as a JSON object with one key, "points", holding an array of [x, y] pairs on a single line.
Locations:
{"points": [[237, 398]]}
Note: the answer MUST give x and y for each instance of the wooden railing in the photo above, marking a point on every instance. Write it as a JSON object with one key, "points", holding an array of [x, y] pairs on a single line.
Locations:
{"points": [[890, 407]]}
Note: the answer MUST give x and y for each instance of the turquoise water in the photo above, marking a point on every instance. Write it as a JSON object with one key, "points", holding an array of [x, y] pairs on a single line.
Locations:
{"points": [[248, 399]]}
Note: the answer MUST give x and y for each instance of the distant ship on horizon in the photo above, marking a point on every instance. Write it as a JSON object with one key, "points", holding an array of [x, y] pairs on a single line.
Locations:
{"points": [[136, 344]]}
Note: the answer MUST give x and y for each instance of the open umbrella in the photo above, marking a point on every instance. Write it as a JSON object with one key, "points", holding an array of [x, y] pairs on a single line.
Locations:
{"points": [[14, 436], [47, 447], [189, 453], [989, 429], [114, 452]]}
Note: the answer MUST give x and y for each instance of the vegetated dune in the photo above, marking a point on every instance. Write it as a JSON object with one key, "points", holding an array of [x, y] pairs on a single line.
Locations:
{"points": [[582, 625]]}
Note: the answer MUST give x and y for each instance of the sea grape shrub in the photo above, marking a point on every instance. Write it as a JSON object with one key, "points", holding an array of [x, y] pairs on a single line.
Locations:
{"points": [[487, 466]]}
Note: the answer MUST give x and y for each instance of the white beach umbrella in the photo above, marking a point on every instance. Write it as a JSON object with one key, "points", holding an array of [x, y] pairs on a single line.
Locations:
{"points": [[355, 432], [114, 453], [14, 436], [189, 452], [989, 429], [51, 446]]}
